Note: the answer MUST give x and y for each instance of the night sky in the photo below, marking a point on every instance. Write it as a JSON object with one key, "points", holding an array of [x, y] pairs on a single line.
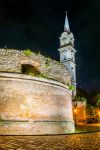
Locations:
{"points": [[37, 24]]}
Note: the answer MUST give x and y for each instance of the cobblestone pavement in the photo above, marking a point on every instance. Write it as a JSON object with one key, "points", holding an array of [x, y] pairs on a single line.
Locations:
{"points": [[86, 141]]}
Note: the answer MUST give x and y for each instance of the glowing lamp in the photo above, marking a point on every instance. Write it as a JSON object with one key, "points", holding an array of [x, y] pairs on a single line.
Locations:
{"points": [[75, 110]]}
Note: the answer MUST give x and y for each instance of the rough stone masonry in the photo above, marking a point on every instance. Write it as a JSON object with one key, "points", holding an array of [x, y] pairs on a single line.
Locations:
{"points": [[33, 105], [12, 61]]}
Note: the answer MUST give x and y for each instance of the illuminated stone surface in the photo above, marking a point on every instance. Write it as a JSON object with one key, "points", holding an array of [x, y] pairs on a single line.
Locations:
{"points": [[12, 61], [80, 114], [30, 105]]}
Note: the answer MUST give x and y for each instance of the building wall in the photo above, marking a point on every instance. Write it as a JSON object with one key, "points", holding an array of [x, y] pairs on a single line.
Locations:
{"points": [[30, 105], [80, 113]]}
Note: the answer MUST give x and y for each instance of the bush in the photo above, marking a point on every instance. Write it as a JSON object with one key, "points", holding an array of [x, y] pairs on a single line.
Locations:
{"points": [[28, 52], [47, 63], [82, 99], [1, 119], [71, 87]]}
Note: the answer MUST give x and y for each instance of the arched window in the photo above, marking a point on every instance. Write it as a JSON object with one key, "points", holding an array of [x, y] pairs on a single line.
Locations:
{"points": [[72, 55], [72, 73], [64, 57]]}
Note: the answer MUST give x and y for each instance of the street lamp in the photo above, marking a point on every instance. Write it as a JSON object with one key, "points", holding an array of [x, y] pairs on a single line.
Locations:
{"points": [[75, 112]]}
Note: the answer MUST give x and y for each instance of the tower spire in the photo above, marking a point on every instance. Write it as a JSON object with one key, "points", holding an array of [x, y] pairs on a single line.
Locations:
{"points": [[66, 25], [67, 52]]}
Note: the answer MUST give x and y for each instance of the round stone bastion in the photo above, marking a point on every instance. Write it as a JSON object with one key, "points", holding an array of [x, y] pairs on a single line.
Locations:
{"points": [[34, 106]]}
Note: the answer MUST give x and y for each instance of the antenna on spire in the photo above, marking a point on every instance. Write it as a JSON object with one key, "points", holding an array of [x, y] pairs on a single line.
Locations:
{"points": [[66, 25]]}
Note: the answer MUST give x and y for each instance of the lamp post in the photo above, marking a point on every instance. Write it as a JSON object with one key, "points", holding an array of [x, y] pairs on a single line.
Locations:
{"points": [[75, 112], [75, 117]]}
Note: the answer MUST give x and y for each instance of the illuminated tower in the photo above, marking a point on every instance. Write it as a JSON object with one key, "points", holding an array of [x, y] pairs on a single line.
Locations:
{"points": [[67, 52]]}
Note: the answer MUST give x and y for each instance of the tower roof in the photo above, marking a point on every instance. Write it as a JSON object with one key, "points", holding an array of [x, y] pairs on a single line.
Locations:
{"points": [[66, 25]]}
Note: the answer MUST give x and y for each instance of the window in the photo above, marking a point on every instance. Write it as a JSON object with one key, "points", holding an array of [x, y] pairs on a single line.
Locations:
{"points": [[72, 73], [29, 69], [64, 57]]}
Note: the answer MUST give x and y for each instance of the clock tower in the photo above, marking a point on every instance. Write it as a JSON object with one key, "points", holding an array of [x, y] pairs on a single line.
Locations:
{"points": [[67, 52]]}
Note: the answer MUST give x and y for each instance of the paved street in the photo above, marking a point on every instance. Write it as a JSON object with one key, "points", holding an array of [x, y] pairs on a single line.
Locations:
{"points": [[86, 141]]}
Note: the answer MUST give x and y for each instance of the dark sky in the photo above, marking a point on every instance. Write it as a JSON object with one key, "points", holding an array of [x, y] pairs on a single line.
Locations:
{"points": [[37, 24]]}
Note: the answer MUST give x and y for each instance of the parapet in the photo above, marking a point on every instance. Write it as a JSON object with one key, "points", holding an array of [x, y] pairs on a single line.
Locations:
{"points": [[17, 61]]}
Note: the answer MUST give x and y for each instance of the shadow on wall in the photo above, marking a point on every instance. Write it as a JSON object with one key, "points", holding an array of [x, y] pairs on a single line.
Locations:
{"points": [[30, 70]]}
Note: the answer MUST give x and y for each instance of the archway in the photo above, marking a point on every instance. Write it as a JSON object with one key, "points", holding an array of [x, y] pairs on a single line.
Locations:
{"points": [[29, 69]]}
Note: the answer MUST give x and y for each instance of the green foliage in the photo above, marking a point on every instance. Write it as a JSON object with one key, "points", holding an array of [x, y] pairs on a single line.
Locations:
{"points": [[71, 87], [82, 99], [47, 62], [48, 57], [41, 75], [98, 100], [27, 52], [31, 74], [58, 62], [37, 52], [97, 96], [1, 119]]}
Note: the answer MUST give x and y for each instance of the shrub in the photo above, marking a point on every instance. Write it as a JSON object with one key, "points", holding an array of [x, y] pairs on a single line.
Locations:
{"points": [[47, 63], [37, 52], [42, 76], [1, 119], [28, 52], [31, 74], [71, 87], [82, 99]]}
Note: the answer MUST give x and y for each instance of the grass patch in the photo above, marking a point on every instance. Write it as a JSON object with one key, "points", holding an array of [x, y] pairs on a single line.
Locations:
{"points": [[47, 62], [71, 87], [27, 52]]}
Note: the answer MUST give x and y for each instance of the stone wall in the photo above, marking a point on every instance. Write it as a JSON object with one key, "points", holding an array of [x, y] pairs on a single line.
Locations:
{"points": [[31, 105], [12, 61], [79, 108]]}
